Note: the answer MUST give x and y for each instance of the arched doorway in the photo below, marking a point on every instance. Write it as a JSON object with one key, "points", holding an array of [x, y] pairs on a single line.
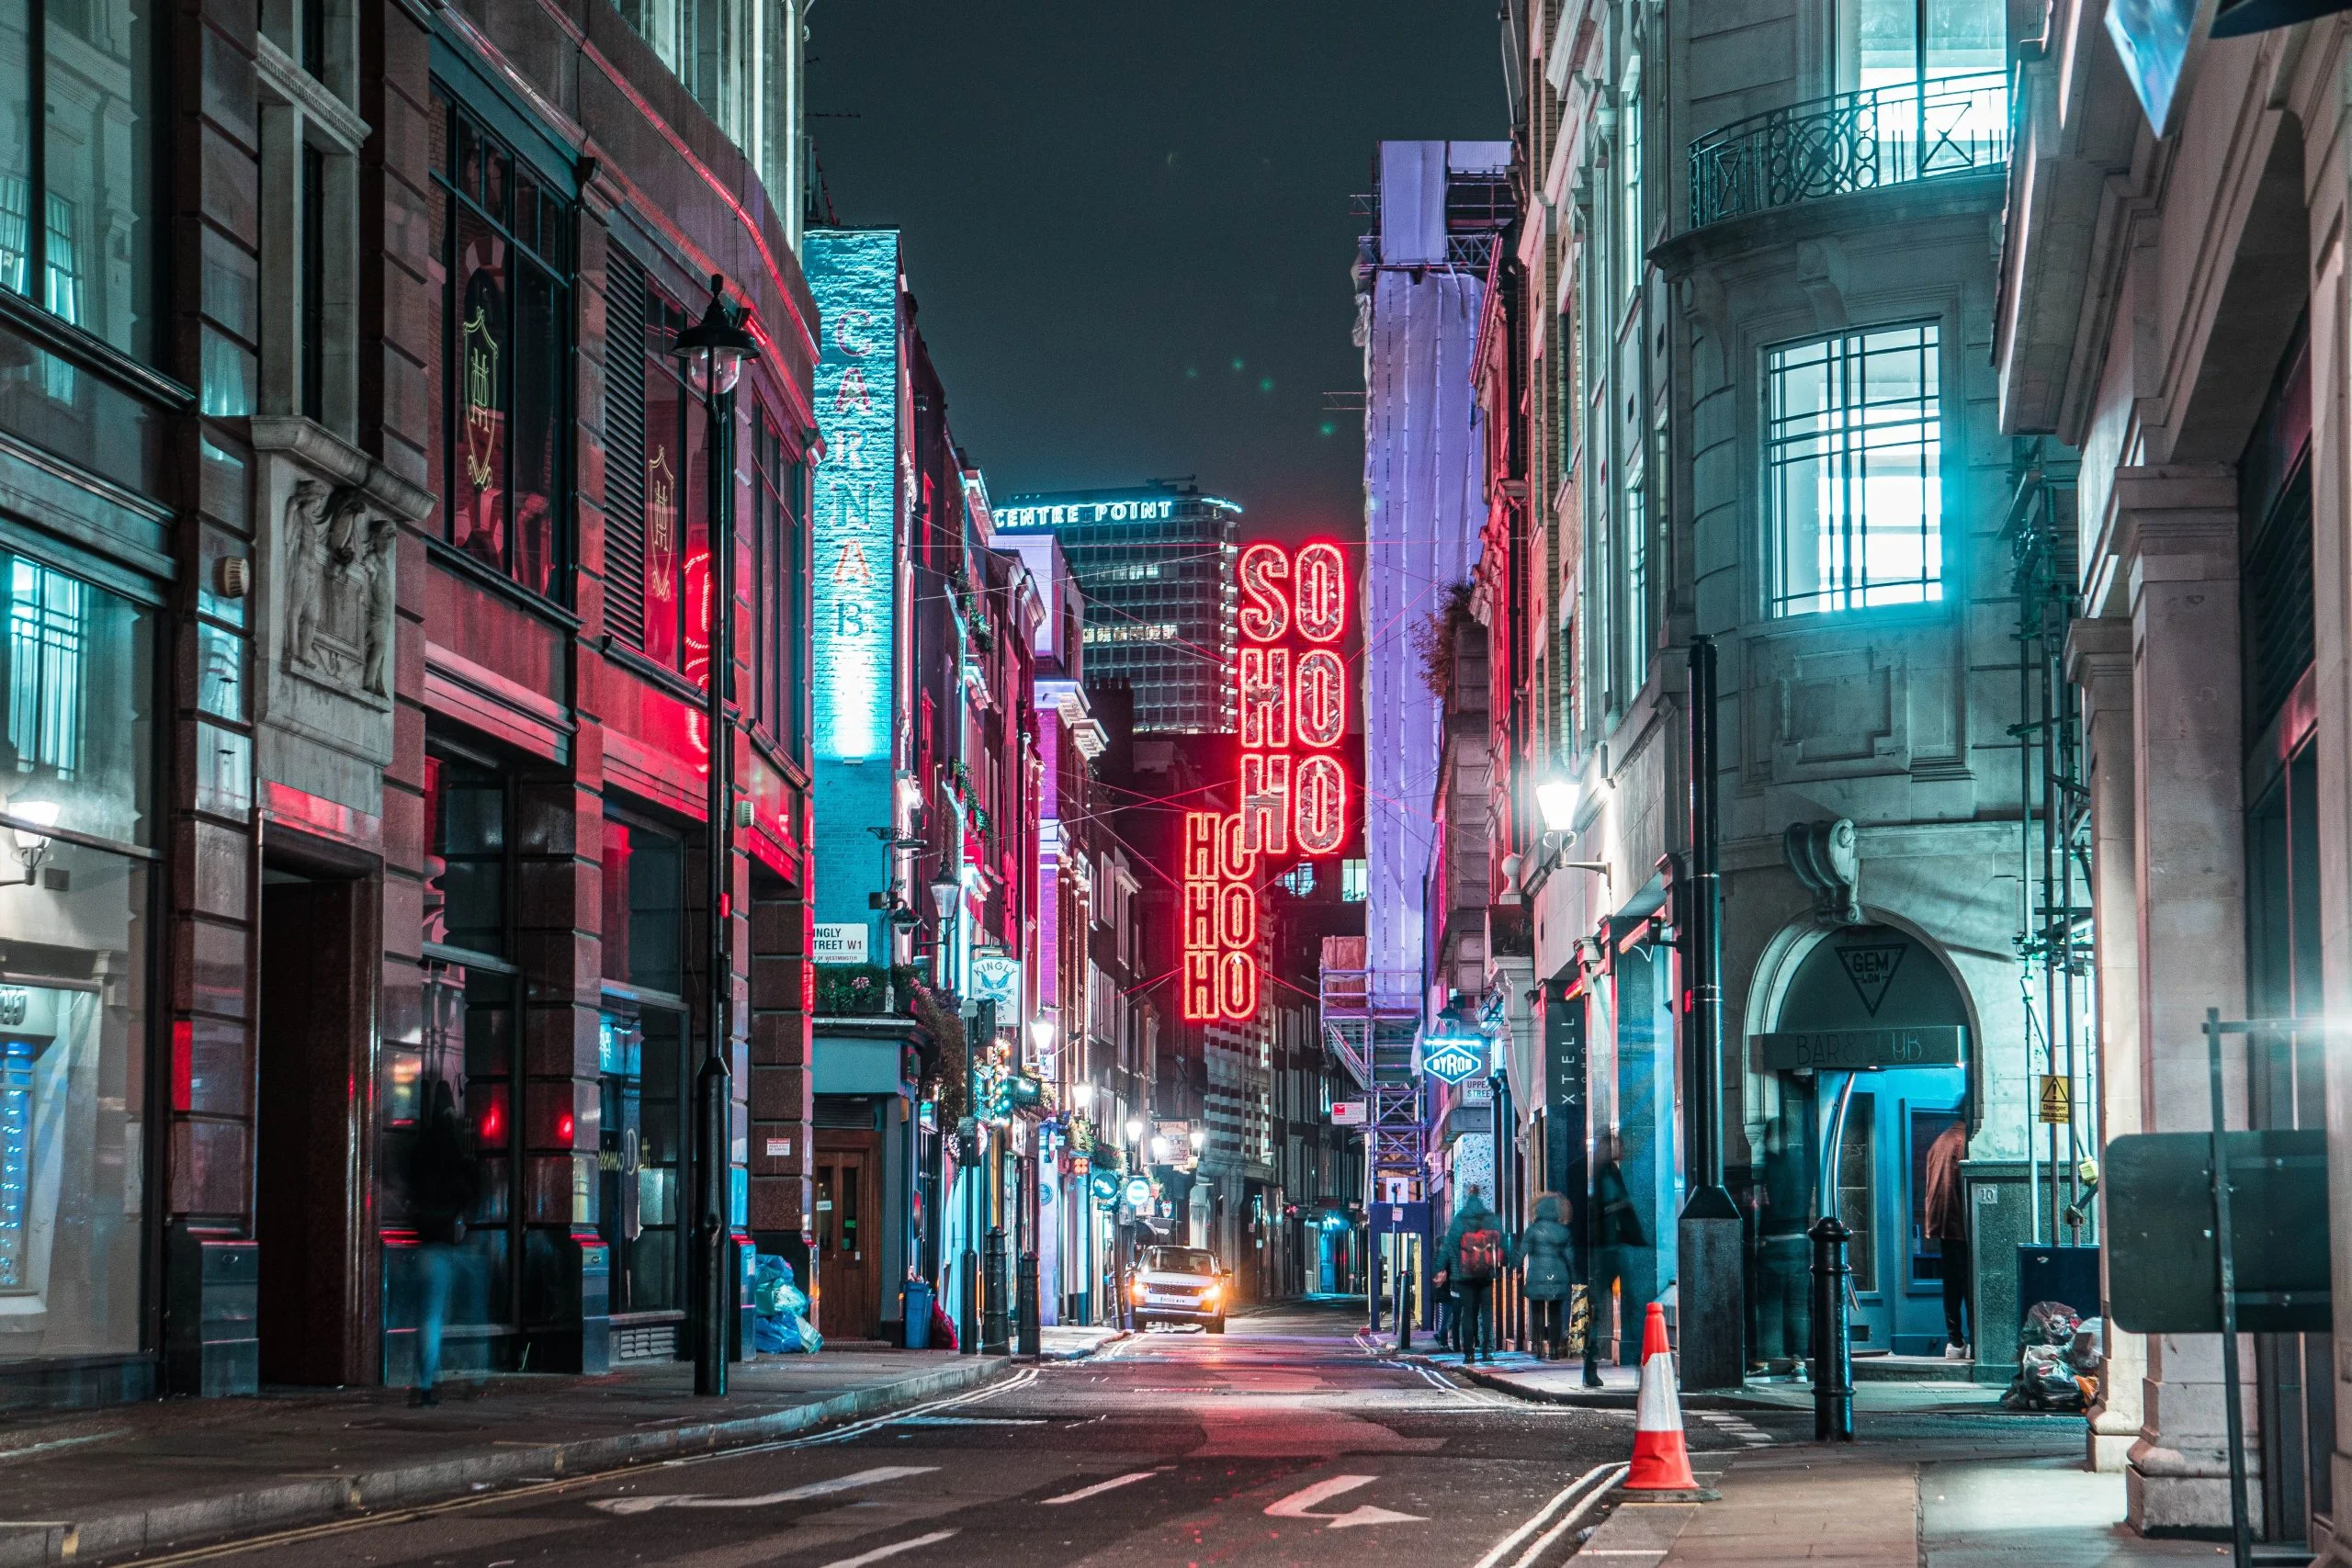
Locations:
{"points": [[1869, 1040]]}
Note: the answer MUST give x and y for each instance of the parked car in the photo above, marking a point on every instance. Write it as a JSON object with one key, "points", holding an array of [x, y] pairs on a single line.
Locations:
{"points": [[1178, 1284]]}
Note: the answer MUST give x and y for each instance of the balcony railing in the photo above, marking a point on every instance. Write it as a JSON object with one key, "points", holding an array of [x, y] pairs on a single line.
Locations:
{"points": [[1862, 141]]}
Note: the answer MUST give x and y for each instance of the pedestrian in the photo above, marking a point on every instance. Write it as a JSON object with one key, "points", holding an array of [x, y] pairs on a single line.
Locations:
{"points": [[1441, 1310], [1546, 1270], [444, 1184], [1470, 1259], [1947, 1226], [1616, 1234]]}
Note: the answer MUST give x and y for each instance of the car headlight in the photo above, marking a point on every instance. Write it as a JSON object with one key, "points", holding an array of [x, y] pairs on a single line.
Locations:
{"points": [[1209, 1295], [1135, 1289]]}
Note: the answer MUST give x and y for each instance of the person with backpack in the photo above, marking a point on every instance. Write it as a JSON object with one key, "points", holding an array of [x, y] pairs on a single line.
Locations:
{"points": [[1470, 1259]]}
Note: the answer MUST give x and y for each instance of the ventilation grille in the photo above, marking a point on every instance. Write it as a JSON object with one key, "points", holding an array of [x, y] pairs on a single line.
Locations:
{"points": [[624, 306], [652, 1342], [852, 1113]]}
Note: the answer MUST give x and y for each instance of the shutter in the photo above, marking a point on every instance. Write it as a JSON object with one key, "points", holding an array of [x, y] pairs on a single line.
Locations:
{"points": [[625, 305]]}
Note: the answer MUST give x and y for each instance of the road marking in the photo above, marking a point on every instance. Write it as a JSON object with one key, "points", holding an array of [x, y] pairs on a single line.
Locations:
{"points": [[1083, 1493], [1604, 1473], [879, 1552], [1567, 1522], [1298, 1503], [646, 1505], [969, 1421]]}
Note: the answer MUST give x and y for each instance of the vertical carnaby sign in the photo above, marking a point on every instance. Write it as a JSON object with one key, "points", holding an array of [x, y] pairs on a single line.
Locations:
{"points": [[854, 274]]}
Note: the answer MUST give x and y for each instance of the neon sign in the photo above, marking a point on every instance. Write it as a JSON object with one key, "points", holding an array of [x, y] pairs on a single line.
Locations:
{"points": [[854, 274], [1293, 710]]}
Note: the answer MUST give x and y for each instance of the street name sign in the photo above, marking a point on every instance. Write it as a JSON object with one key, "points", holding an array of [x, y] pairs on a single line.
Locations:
{"points": [[1860, 1050]]}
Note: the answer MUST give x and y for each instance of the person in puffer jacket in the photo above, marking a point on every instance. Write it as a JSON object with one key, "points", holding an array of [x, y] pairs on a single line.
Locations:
{"points": [[1546, 1254]]}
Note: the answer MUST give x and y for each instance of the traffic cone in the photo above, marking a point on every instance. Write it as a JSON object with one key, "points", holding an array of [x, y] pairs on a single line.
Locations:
{"points": [[1661, 1467]]}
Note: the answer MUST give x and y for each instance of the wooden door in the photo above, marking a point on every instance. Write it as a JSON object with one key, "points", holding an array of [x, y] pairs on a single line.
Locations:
{"points": [[849, 1255]]}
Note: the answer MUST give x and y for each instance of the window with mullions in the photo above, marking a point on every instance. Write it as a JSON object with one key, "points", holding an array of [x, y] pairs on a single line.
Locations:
{"points": [[79, 106], [780, 606], [503, 242], [1854, 443]]}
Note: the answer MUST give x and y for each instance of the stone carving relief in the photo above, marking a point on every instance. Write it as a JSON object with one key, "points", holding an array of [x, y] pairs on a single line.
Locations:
{"points": [[339, 558]]}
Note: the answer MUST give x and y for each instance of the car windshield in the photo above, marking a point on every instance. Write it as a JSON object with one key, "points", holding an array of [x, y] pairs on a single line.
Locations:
{"points": [[1179, 1260]]}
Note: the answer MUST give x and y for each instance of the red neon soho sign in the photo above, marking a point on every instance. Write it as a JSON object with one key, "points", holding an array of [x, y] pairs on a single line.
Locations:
{"points": [[1293, 701]]}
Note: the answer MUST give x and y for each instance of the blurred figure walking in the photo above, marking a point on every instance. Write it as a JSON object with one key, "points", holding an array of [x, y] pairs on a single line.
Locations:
{"points": [[1546, 1270], [1616, 1234], [1473, 1255], [444, 1184]]}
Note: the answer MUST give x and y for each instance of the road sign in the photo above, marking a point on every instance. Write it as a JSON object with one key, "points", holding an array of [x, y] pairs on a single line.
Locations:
{"points": [[1350, 1114], [2162, 1273], [1139, 1192], [1452, 1057], [1103, 1185], [2057, 1099]]}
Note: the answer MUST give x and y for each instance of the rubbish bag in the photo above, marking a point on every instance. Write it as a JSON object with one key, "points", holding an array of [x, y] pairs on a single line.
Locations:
{"points": [[943, 1327], [777, 1325], [2048, 1375]]}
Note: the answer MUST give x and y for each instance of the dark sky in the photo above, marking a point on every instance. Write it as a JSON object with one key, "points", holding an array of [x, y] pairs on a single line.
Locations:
{"points": [[1127, 224]]}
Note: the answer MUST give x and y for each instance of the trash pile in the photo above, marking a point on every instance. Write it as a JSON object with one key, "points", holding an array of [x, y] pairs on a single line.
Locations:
{"points": [[2058, 1357], [779, 1305]]}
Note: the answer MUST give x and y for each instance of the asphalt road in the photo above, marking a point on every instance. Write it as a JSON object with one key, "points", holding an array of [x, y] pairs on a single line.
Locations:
{"points": [[1284, 1440]]}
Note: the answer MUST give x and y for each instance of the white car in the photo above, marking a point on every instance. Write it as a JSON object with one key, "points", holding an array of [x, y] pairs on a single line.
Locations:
{"points": [[1178, 1284]]}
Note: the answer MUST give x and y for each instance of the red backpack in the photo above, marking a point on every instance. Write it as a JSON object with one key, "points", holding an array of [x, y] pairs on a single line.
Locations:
{"points": [[1482, 1255]]}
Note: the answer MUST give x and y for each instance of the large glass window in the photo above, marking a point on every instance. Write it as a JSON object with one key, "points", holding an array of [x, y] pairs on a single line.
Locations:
{"points": [[503, 242], [77, 668], [77, 163], [641, 1063], [1852, 459]]}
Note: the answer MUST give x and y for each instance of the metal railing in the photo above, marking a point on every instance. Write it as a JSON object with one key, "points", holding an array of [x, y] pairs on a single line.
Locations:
{"points": [[1859, 141]]}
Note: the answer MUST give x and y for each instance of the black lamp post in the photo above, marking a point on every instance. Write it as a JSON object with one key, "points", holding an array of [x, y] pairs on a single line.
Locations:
{"points": [[712, 353]]}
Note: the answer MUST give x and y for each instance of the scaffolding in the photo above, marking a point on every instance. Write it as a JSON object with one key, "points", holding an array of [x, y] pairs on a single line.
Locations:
{"points": [[2056, 972], [1372, 1020]]}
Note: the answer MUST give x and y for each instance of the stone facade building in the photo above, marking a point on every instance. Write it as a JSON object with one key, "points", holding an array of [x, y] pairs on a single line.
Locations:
{"points": [[359, 565]]}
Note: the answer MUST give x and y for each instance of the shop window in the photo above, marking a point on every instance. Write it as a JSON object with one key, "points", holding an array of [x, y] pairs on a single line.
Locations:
{"points": [[73, 922], [1852, 455], [77, 147], [503, 240], [466, 869], [644, 907]]}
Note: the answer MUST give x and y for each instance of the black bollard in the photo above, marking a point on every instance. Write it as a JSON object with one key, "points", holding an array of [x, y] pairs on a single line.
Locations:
{"points": [[1833, 1340], [1404, 1304], [995, 1334], [1031, 1331]]}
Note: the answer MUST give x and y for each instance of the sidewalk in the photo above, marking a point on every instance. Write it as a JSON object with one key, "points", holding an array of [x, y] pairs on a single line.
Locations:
{"points": [[1562, 1382], [1974, 1500], [104, 1482]]}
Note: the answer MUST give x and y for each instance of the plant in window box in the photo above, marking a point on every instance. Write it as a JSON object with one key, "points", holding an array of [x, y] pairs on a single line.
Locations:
{"points": [[851, 988]]}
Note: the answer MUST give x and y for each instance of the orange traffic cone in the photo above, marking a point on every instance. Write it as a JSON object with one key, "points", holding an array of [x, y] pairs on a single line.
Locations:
{"points": [[1661, 1467]]}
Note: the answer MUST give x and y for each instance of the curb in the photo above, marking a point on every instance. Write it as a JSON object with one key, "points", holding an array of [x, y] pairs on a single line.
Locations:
{"points": [[1589, 1399], [201, 1520], [1046, 1357]]}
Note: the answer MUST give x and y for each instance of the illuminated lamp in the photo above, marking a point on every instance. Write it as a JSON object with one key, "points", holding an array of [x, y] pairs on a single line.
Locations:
{"points": [[1266, 614], [1322, 698], [1556, 798], [1321, 592], [1322, 815]]}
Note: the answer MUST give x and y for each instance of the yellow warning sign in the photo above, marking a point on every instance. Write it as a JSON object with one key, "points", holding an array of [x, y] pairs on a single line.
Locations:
{"points": [[2057, 1099]]}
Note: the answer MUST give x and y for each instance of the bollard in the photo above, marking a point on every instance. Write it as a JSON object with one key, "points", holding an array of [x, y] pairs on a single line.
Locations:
{"points": [[1032, 1330], [994, 1334], [1404, 1304], [1833, 1340]]}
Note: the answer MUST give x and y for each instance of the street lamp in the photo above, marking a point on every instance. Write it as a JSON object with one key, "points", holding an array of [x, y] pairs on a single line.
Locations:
{"points": [[712, 353], [1041, 1038], [1135, 1129], [1556, 797]]}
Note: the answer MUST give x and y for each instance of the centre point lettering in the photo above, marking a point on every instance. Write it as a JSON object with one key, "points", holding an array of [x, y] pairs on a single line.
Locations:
{"points": [[1293, 707]]}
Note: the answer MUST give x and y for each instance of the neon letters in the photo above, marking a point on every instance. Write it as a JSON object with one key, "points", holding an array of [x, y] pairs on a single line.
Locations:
{"points": [[1293, 707]]}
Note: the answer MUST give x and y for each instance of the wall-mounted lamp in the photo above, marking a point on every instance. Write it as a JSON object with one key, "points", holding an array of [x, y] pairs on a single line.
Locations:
{"points": [[1134, 1131], [1082, 1094], [27, 818]]}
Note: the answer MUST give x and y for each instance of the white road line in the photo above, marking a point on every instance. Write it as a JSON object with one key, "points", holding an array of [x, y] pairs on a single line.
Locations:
{"points": [[1567, 1522], [646, 1503], [1297, 1505], [879, 1552], [1083, 1493], [969, 1421], [1535, 1522]]}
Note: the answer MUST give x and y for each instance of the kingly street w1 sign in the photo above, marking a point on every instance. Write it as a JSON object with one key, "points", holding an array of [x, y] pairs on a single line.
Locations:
{"points": [[1860, 1050]]}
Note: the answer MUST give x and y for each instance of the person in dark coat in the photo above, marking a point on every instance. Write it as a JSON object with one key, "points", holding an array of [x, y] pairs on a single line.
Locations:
{"points": [[1946, 1223], [444, 1185], [1546, 1253], [1478, 1229], [1616, 1234]]}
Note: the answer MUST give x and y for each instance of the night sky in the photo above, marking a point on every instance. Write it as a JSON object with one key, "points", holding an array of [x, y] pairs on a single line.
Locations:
{"points": [[1128, 226]]}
